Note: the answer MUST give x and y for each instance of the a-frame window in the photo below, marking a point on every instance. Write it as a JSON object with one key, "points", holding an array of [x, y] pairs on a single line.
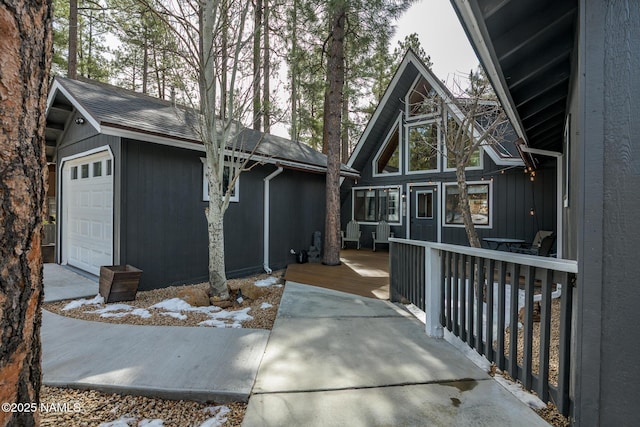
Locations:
{"points": [[387, 160], [422, 101]]}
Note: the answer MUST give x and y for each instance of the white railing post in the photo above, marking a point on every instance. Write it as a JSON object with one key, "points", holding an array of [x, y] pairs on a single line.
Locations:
{"points": [[432, 292]]}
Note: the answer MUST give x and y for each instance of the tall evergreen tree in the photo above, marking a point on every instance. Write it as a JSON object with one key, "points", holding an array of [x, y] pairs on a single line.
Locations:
{"points": [[25, 50], [353, 30]]}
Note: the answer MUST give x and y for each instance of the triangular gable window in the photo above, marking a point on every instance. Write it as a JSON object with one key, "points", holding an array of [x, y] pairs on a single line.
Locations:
{"points": [[422, 100], [387, 161]]}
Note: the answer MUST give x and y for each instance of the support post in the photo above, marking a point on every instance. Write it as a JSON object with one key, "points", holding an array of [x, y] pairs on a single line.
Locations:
{"points": [[432, 294]]}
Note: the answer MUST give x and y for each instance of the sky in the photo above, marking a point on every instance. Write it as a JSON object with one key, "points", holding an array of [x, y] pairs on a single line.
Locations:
{"points": [[441, 36]]}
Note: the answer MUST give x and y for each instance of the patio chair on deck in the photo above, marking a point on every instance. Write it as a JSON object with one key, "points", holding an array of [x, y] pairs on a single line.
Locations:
{"points": [[353, 233], [382, 234], [541, 245]]}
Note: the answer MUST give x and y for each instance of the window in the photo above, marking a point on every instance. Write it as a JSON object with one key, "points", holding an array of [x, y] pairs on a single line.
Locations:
{"points": [[423, 147], [109, 166], [376, 204], [74, 172], [424, 204], [474, 160], [97, 169], [84, 171], [235, 191], [479, 201], [422, 100], [387, 161]]}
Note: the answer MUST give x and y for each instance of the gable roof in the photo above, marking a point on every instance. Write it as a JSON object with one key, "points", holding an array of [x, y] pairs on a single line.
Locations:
{"points": [[120, 112], [392, 103], [527, 48]]}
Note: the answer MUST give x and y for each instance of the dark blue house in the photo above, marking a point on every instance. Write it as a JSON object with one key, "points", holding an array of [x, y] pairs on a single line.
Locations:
{"points": [[131, 189], [407, 180]]}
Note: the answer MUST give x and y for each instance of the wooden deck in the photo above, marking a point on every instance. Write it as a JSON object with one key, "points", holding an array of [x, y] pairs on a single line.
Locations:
{"points": [[362, 272]]}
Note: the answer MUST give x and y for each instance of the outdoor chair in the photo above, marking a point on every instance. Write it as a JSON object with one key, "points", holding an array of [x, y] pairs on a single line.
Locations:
{"points": [[382, 234], [352, 234], [541, 245]]}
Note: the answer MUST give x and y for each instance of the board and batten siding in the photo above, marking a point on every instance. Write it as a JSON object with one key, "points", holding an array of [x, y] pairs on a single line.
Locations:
{"points": [[165, 231], [513, 197]]}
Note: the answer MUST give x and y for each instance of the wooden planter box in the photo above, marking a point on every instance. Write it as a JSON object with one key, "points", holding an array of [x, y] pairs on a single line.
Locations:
{"points": [[119, 282]]}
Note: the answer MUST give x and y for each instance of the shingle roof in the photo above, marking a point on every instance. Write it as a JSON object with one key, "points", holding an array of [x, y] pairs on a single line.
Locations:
{"points": [[115, 107]]}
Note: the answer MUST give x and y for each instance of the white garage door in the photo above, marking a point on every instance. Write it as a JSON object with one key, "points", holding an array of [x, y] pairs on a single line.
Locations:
{"points": [[87, 198]]}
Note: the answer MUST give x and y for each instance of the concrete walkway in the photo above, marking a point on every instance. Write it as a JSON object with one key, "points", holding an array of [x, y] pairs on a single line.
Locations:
{"points": [[335, 359], [61, 283], [202, 364]]}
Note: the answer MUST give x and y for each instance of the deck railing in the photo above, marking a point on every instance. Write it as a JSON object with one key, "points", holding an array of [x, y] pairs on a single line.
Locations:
{"points": [[470, 292]]}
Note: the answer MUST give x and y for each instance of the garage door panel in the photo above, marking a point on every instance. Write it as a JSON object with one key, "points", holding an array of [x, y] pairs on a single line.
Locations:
{"points": [[89, 211]]}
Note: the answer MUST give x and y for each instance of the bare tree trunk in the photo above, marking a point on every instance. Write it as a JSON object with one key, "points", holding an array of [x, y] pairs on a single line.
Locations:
{"points": [[257, 65], [72, 61], [215, 220], [465, 208], [332, 126], [266, 87], [25, 50]]}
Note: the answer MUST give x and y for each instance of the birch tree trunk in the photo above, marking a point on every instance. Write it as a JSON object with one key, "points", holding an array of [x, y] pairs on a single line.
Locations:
{"points": [[332, 134], [25, 49], [463, 204]]}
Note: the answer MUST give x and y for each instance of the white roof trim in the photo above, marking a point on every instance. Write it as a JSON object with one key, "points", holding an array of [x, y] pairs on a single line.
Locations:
{"points": [[374, 118], [57, 87], [442, 92], [171, 142]]}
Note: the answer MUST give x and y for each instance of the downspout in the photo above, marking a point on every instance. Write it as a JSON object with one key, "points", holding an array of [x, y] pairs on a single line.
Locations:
{"points": [[266, 227]]}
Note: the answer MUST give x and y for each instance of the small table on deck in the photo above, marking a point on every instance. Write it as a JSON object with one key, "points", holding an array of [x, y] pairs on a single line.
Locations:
{"points": [[500, 241]]}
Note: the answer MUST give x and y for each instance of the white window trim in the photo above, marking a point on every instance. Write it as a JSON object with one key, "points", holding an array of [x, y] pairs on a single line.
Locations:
{"points": [[468, 168], [444, 203], [407, 104], [397, 125], [418, 192], [407, 150], [376, 187], [445, 151], [205, 184]]}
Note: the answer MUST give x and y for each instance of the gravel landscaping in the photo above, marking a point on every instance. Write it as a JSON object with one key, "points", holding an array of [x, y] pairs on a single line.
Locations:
{"points": [[91, 408], [261, 311]]}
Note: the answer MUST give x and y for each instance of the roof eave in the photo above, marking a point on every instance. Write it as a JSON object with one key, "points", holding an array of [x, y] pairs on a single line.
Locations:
{"points": [[476, 33]]}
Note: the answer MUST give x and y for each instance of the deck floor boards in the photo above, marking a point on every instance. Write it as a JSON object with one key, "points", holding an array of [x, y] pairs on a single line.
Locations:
{"points": [[361, 272]]}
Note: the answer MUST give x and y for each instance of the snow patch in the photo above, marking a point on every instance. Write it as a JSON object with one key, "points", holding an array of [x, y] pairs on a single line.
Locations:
{"points": [[219, 416], [265, 305], [151, 423], [218, 319], [120, 422], [175, 315], [266, 282], [97, 300]]}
